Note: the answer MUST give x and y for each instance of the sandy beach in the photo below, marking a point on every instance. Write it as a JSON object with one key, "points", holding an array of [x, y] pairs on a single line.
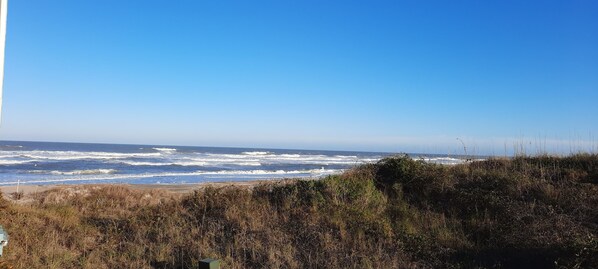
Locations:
{"points": [[172, 188], [31, 191]]}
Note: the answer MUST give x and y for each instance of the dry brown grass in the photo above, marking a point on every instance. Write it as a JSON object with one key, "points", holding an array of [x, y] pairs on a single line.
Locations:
{"points": [[399, 213]]}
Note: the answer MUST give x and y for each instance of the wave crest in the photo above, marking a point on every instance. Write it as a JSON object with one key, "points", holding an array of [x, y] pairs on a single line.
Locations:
{"points": [[165, 150], [256, 153], [85, 172]]}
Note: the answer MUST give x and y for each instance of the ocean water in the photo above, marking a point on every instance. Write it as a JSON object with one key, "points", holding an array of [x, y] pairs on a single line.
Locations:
{"points": [[39, 163]]}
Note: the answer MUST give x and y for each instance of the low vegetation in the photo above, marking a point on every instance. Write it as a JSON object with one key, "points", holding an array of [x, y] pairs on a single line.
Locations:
{"points": [[526, 212]]}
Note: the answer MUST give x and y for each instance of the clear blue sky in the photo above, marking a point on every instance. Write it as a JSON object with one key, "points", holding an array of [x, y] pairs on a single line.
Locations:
{"points": [[356, 75]]}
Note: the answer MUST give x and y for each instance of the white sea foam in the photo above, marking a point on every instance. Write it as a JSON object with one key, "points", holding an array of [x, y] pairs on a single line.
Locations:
{"points": [[84, 172], [259, 161], [139, 163], [166, 150], [13, 162], [237, 174], [277, 172], [247, 163], [442, 160], [180, 163], [184, 159], [289, 159], [254, 153], [212, 159], [270, 159], [74, 155], [12, 146]]}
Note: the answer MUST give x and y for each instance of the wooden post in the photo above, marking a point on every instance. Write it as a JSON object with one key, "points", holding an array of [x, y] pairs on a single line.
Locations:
{"points": [[209, 264]]}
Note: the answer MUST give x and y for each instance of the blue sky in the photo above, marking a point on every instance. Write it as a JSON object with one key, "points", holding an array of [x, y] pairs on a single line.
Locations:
{"points": [[401, 76]]}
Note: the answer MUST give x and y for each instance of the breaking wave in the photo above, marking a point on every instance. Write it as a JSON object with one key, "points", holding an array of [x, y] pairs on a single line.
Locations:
{"points": [[256, 153], [73, 155], [76, 172], [13, 162], [237, 174], [167, 150], [442, 160], [85, 172]]}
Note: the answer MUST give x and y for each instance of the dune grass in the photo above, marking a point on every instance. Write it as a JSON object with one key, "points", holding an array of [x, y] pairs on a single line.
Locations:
{"points": [[526, 212]]}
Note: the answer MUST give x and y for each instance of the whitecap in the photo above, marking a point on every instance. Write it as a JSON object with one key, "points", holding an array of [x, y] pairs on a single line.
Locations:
{"points": [[254, 153], [166, 150], [238, 174], [85, 172], [74, 155], [13, 162], [441, 160]]}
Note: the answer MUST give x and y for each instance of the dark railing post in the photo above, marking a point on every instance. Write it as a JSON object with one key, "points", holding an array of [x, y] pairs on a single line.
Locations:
{"points": [[209, 264]]}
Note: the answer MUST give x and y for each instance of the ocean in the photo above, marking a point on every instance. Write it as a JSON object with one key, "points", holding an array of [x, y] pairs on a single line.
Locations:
{"points": [[40, 163]]}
